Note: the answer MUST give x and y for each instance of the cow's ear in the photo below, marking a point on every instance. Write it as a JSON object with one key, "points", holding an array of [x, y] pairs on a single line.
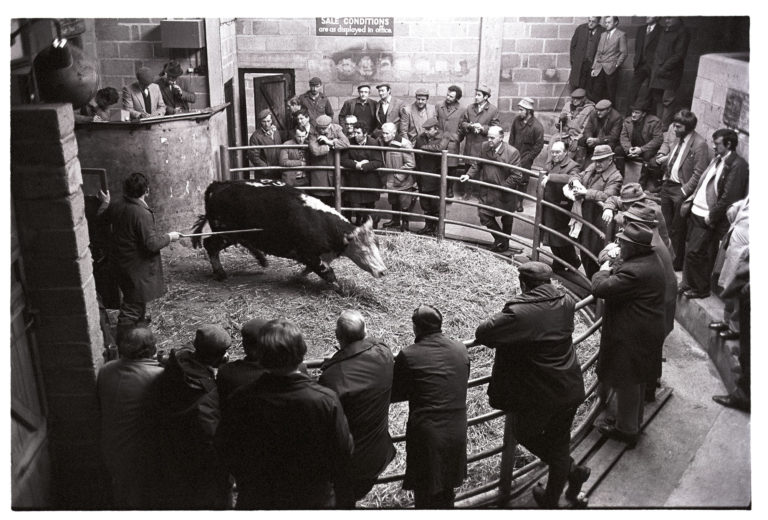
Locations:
{"points": [[368, 224], [347, 237]]}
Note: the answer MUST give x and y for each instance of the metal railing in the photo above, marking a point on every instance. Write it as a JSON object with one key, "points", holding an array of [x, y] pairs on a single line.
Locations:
{"points": [[498, 490]]}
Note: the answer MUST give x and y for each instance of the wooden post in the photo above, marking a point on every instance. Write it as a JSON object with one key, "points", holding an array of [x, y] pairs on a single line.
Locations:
{"points": [[337, 179], [537, 221], [507, 466], [443, 193]]}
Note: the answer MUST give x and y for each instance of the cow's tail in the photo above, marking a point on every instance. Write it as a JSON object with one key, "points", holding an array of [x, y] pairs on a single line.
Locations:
{"points": [[198, 228]]}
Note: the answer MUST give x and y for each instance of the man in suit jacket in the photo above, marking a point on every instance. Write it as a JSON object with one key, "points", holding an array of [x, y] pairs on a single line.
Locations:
{"points": [[611, 53], [583, 48], [646, 38], [683, 167], [362, 107], [360, 372], [413, 116], [724, 182], [143, 97], [388, 107]]}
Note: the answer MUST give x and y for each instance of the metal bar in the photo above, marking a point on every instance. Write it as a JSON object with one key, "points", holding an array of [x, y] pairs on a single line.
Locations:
{"points": [[337, 179], [507, 466], [537, 223], [443, 192], [210, 233]]}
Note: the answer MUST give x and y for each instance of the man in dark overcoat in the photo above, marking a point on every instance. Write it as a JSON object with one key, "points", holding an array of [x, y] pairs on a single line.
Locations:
{"points": [[135, 250], [559, 170], [362, 107], [432, 375], [633, 328], [646, 39], [432, 140], [449, 114], [185, 401], [360, 172], [583, 48], [360, 372], [527, 136], [495, 149], [284, 437], [536, 377], [667, 67]]}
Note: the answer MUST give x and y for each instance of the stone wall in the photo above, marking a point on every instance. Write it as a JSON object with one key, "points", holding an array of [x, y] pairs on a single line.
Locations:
{"points": [[718, 74], [46, 185]]}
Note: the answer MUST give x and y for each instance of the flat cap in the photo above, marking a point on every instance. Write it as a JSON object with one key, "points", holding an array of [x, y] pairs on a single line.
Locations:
{"points": [[427, 318], [212, 339], [485, 89], [364, 85], [637, 233], [631, 192], [579, 93], [429, 123], [638, 106], [384, 85], [323, 120], [526, 103], [535, 271], [262, 115], [603, 104], [315, 81], [422, 92]]}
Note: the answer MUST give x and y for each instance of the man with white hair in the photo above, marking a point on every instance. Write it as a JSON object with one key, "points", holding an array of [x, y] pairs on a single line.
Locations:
{"points": [[398, 159], [360, 372]]}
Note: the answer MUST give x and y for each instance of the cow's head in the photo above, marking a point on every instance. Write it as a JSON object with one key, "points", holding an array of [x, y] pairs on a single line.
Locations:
{"points": [[362, 247]]}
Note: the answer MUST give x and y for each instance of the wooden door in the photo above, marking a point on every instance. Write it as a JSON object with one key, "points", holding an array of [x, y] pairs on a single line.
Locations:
{"points": [[30, 464], [271, 92]]}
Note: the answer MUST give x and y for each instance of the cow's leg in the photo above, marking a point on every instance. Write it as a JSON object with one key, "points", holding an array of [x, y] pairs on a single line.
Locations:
{"points": [[257, 253], [322, 269], [213, 245]]}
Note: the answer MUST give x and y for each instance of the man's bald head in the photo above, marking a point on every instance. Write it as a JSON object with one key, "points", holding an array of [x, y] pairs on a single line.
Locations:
{"points": [[350, 327]]}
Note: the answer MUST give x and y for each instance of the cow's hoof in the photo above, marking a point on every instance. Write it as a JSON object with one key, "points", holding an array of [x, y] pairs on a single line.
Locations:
{"points": [[219, 276]]}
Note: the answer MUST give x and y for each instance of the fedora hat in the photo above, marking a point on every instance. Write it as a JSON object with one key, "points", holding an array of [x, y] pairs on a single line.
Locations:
{"points": [[643, 212], [637, 233], [602, 151], [631, 192]]}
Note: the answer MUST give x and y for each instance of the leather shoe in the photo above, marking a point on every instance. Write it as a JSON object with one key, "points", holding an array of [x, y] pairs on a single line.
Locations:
{"points": [[390, 223], [728, 334], [732, 401], [576, 478], [630, 439], [540, 497], [718, 325], [691, 294]]}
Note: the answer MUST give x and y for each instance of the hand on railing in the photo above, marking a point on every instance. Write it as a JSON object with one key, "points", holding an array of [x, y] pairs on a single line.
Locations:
{"points": [[607, 215]]}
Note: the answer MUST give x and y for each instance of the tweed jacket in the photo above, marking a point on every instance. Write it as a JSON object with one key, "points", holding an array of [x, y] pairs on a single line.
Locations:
{"points": [[611, 52], [411, 120], [133, 101]]}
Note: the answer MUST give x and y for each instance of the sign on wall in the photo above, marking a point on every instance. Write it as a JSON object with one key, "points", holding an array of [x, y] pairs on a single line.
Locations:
{"points": [[736, 110], [355, 26]]}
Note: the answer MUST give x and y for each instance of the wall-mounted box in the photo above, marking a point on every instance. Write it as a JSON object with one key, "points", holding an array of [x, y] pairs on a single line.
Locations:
{"points": [[183, 34]]}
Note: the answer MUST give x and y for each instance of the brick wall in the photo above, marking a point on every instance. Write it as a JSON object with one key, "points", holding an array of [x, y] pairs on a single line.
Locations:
{"points": [[422, 54], [46, 186], [124, 45]]}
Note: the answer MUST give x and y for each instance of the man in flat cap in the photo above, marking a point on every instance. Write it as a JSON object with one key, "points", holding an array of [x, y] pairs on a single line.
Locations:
{"points": [[633, 330], [128, 432], [611, 53], [573, 119], [527, 136], [477, 118], [266, 134], [413, 116], [495, 149], [327, 137], [589, 189], [142, 98], [603, 127], [360, 373], [315, 102], [362, 107], [432, 375], [176, 98], [537, 379], [449, 114], [432, 139], [186, 404], [388, 107], [640, 139]]}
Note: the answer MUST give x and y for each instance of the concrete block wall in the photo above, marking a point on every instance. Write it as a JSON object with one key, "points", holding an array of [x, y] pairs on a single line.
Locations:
{"points": [[46, 186], [423, 53], [716, 74], [124, 45]]}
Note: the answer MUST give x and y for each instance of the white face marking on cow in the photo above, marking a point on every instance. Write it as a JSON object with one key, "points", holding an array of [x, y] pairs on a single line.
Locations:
{"points": [[314, 203], [363, 250]]}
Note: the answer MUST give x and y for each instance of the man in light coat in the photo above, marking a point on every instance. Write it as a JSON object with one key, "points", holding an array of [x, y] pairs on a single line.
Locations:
{"points": [[326, 138], [143, 98], [413, 116], [398, 158]]}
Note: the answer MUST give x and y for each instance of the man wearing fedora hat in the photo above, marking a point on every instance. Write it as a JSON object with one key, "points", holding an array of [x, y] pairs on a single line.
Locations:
{"points": [[589, 189], [185, 401], [615, 206], [633, 329], [527, 136], [315, 102], [176, 98], [362, 107], [266, 134], [413, 116], [536, 377]]}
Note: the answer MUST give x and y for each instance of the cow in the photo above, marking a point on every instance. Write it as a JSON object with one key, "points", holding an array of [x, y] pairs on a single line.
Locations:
{"points": [[293, 225]]}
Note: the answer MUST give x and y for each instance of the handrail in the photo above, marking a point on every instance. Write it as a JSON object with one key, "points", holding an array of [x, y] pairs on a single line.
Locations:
{"points": [[508, 474]]}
